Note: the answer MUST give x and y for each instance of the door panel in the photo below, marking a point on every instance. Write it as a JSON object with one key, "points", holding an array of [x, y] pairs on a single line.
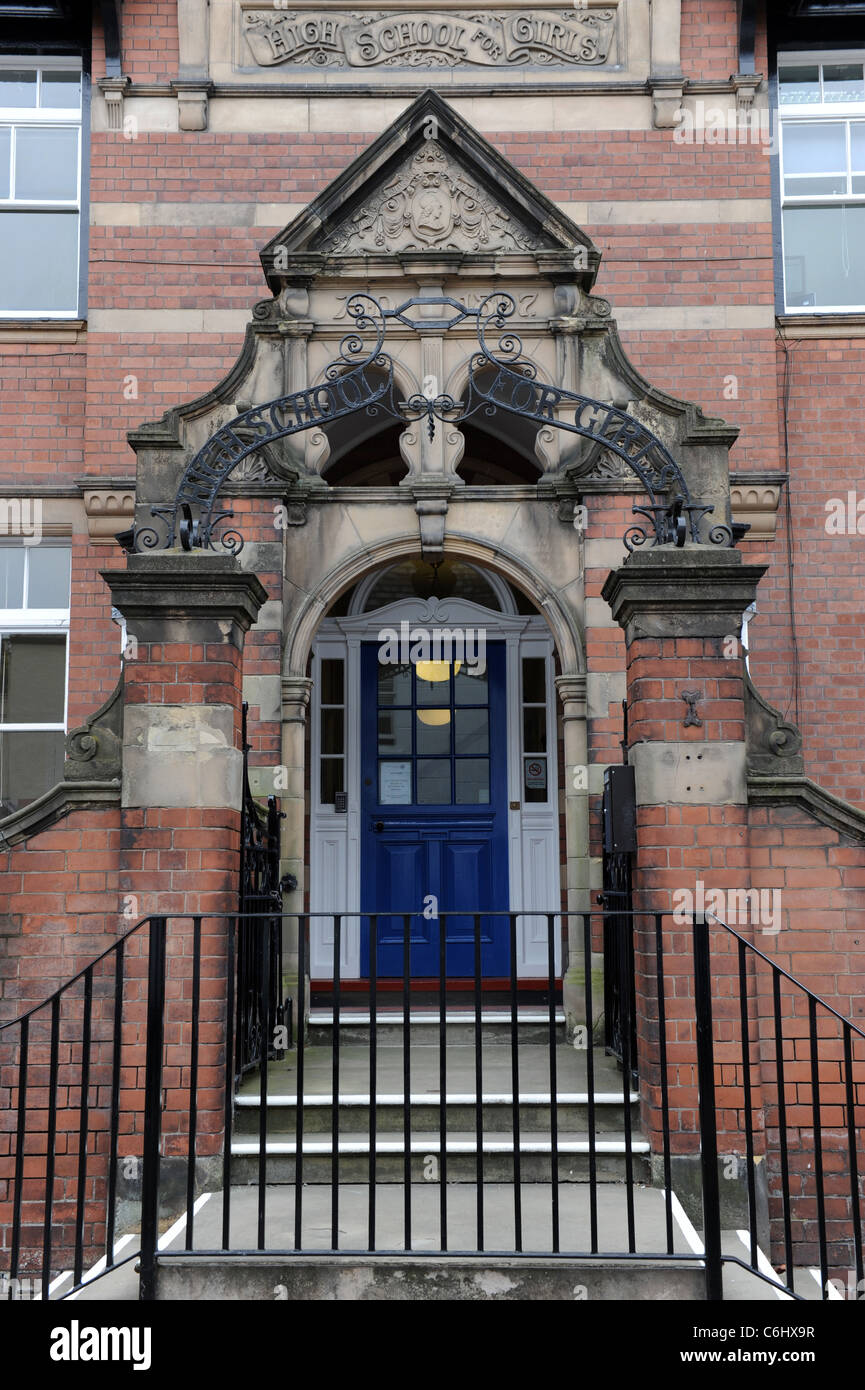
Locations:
{"points": [[434, 813]]}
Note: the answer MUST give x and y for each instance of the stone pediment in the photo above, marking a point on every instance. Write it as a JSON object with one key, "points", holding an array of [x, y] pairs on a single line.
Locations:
{"points": [[431, 203], [430, 183]]}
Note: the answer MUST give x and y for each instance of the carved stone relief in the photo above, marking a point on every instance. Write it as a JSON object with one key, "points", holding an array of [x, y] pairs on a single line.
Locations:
{"points": [[390, 39], [431, 202]]}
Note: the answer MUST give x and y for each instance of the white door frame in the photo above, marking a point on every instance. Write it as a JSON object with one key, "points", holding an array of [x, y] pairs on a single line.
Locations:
{"points": [[533, 841]]}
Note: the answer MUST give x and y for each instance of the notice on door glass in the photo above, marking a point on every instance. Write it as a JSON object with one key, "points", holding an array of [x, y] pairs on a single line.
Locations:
{"points": [[536, 774], [394, 784]]}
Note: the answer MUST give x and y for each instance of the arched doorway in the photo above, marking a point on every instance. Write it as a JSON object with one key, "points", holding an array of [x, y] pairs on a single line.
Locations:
{"points": [[434, 782]]}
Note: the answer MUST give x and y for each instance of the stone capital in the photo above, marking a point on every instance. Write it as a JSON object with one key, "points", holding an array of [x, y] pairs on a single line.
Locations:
{"points": [[165, 593], [572, 693], [699, 591], [296, 691]]}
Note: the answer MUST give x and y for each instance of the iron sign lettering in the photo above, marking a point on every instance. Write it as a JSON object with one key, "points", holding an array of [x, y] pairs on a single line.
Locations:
{"points": [[535, 38], [193, 518]]}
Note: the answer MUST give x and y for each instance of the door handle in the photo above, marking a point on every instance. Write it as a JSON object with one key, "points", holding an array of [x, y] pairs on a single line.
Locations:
{"points": [[378, 826]]}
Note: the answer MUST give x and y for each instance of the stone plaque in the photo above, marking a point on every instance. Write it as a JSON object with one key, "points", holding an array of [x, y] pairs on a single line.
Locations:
{"points": [[576, 37]]}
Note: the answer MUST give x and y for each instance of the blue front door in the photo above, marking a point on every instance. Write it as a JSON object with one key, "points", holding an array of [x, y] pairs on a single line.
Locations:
{"points": [[434, 812]]}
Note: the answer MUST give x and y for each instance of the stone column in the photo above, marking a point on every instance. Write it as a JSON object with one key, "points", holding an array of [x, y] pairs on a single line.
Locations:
{"points": [[295, 706], [572, 693], [186, 617], [681, 613]]}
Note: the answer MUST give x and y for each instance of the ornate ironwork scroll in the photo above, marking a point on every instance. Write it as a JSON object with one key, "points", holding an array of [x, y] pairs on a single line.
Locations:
{"points": [[361, 379]]}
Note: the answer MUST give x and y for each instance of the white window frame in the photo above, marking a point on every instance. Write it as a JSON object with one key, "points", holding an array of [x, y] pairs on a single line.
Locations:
{"points": [[819, 113], [17, 622], [44, 118]]}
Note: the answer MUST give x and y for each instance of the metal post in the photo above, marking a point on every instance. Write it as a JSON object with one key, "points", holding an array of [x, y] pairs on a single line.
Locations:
{"points": [[708, 1133], [152, 1109]]}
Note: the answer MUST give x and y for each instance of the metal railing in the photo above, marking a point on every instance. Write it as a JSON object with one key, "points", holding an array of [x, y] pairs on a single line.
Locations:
{"points": [[794, 1028], [64, 1073]]}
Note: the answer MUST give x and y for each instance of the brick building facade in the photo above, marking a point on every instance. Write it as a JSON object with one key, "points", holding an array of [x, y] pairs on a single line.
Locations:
{"points": [[625, 173]]}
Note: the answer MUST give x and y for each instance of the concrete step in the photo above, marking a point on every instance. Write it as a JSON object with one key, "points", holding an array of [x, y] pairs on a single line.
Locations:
{"points": [[395, 1278], [535, 1152], [535, 1112], [533, 1025]]}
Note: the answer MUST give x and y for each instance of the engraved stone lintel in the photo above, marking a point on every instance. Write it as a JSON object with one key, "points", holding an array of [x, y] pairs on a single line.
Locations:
{"points": [[431, 40]]}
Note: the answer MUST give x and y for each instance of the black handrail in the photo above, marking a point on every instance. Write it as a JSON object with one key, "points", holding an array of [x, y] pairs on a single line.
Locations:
{"points": [[96, 1051], [706, 1068]]}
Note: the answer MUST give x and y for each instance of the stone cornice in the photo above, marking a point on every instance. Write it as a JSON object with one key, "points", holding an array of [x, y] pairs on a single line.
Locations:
{"points": [[809, 797], [186, 585], [61, 800], [699, 591]]}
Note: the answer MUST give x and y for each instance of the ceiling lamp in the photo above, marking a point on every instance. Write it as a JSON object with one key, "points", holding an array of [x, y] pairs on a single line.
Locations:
{"points": [[434, 671], [435, 717]]}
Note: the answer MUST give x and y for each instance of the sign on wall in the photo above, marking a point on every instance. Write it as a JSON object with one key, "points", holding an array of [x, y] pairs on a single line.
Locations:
{"points": [[553, 38]]}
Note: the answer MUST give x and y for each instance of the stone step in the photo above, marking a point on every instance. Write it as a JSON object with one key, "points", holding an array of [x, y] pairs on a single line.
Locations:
{"points": [[498, 1158], [426, 1278], [535, 1112], [533, 1026]]}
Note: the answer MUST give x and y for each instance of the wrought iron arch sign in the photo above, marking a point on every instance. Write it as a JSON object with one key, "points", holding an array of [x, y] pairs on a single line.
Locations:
{"points": [[361, 378]]}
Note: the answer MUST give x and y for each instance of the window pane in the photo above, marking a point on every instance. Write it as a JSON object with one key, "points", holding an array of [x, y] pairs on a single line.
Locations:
{"points": [[824, 257], [843, 82], [815, 147], [331, 780], [534, 680], [30, 764], [61, 90], [17, 88], [434, 781], [470, 686], [11, 576], [435, 691], [394, 685], [5, 155], [331, 731], [46, 163], [32, 679], [38, 261], [472, 781], [799, 86], [472, 731], [535, 730], [815, 187], [857, 145], [434, 731], [394, 731], [332, 682], [48, 583]]}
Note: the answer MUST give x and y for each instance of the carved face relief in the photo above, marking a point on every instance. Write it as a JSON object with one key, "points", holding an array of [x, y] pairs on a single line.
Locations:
{"points": [[431, 215]]}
